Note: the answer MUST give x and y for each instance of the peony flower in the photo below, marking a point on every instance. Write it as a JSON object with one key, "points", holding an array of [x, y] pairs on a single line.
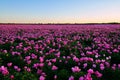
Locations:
{"points": [[89, 53], [39, 71], [98, 74], [41, 78], [41, 59], [71, 78], [54, 67], [94, 65], [12, 77], [55, 77], [102, 67], [119, 66], [29, 62], [49, 63], [27, 58], [15, 67], [5, 51], [33, 56], [4, 70], [53, 60], [75, 59], [76, 69], [90, 71], [81, 78], [28, 70], [84, 65], [88, 77], [115, 51], [9, 64], [41, 64]]}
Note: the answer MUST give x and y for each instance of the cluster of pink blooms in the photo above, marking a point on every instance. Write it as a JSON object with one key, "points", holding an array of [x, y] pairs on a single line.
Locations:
{"points": [[4, 70], [89, 48]]}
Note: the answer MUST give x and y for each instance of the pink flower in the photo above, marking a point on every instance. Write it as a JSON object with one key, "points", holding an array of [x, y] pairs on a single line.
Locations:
{"points": [[115, 51], [18, 69], [12, 77], [41, 59], [15, 67], [54, 60], [90, 71], [55, 76], [107, 46], [54, 67], [29, 61], [48, 41], [4, 70], [42, 78], [49, 63], [76, 59], [84, 65], [102, 66], [36, 65], [90, 59], [28, 70], [81, 78], [94, 65], [88, 77], [27, 58], [119, 66], [25, 49], [58, 54], [41, 64], [39, 71], [71, 78], [98, 74], [43, 74], [113, 67], [34, 56], [9, 64], [76, 69], [5, 51], [64, 42], [89, 53], [97, 61], [107, 64]]}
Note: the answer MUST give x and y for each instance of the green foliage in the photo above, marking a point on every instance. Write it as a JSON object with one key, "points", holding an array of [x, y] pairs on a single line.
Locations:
{"points": [[36, 39], [115, 58], [50, 73], [25, 76], [65, 51], [109, 74], [70, 64], [50, 56], [63, 74], [78, 74], [86, 42], [5, 46]]}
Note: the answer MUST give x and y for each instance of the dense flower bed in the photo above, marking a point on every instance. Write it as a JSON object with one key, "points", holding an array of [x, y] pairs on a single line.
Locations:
{"points": [[59, 52]]}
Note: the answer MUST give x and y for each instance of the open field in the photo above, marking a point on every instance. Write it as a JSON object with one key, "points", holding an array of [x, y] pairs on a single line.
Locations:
{"points": [[60, 52]]}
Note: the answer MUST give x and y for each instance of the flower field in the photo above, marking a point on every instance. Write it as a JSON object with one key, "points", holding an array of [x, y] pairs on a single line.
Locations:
{"points": [[60, 52]]}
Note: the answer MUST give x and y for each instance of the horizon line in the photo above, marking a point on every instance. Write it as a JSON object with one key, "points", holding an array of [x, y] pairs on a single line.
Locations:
{"points": [[67, 23]]}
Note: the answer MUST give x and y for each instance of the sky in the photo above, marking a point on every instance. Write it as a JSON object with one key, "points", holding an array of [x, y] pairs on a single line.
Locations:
{"points": [[59, 11]]}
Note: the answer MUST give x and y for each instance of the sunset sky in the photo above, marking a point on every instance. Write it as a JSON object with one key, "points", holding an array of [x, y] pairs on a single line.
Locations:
{"points": [[59, 11]]}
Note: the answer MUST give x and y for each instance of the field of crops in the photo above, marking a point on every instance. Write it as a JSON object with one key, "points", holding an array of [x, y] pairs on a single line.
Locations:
{"points": [[60, 52]]}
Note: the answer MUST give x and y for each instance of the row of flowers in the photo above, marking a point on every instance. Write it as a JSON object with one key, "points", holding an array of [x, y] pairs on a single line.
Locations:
{"points": [[59, 52]]}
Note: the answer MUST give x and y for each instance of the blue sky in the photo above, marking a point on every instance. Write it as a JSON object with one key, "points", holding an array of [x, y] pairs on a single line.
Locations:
{"points": [[59, 11]]}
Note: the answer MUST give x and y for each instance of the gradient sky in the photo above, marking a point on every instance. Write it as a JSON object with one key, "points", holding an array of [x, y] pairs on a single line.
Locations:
{"points": [[59, 11]]}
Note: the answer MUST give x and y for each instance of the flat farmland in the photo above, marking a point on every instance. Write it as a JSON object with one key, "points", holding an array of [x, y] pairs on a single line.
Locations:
{"points": [[60, 52]]}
